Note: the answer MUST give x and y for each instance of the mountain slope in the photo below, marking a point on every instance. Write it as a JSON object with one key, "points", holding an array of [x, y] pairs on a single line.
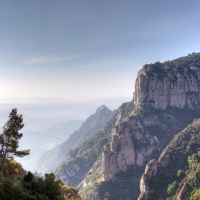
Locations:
{"points": [[84, 155], [176, 173], [165, 101], [53, 157]]}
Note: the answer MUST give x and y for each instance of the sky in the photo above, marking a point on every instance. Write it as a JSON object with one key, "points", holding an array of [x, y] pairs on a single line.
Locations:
{"points": [[89, 49]]}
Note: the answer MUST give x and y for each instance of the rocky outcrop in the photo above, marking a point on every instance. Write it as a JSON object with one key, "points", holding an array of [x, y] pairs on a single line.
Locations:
{"points": [[122, 152], [159, 87], [168, 86], [79, 161], [138, 139]]}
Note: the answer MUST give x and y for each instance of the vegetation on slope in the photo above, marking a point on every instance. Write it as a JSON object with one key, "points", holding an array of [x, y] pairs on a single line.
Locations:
{"points": [[15, 182], [82, 158], [187, 182], [190, 62], [180, 177], [33, 187]]}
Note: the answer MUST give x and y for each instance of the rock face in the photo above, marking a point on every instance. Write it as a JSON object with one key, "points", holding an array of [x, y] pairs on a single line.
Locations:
{"points": [[162, 172], [53, 157], [168, 88], [139, 138], [159, 87], [122, 152]]}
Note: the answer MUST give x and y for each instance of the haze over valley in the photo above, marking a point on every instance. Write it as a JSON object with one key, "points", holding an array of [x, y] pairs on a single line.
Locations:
{"points": [[49, 122]]}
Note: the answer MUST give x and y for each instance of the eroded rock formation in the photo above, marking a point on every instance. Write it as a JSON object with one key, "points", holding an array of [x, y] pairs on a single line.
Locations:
{"points": [[162, 88], [169, 89]]}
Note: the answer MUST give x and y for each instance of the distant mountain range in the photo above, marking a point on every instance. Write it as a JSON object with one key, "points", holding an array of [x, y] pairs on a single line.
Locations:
{"points": [[110, 102], [53, 157]]}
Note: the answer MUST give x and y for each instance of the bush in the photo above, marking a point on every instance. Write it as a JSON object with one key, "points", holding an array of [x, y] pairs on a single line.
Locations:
{"points": [[180, 173], [195, 195], [171, 190], [192, 163], [32, 187]]}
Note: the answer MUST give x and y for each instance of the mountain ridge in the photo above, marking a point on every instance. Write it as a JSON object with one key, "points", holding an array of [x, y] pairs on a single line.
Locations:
{"points": [[92, 124]]}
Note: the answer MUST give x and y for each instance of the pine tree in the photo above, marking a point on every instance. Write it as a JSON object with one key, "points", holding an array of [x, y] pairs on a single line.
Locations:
{"points": [[9, 139]]}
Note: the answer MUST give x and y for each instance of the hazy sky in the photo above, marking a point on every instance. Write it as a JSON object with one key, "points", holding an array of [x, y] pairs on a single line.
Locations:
{"points": [[86, 49]]}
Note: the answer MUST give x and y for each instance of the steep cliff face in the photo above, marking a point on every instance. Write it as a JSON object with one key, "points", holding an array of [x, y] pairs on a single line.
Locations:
{"points": [[162, 92], [91, 126], [178, 165], [174, 83]]}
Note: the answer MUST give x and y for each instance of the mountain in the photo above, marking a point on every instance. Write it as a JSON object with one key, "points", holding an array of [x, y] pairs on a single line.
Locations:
{"points": [[41, 141], [111, 163], [53, 157], [176, 174]]}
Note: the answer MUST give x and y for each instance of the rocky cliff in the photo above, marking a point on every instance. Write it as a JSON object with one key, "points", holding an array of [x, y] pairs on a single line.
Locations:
{"points": [[165, 101], [92, 124], [173, 83], [160, 89], [177, 165]]}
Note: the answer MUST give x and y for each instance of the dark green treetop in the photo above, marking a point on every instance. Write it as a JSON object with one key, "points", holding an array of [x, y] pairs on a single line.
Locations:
{"points": [[9, 139]]}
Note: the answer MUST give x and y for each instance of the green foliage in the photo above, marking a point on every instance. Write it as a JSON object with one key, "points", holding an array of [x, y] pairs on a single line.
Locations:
{"points": [[10, 137], [127, 108], [171, 190], [28, 177], [145, 109], [180, 173], [192, 162], [12, 168], [7, 190], [175, 66], [195, 194], [32, 187]]}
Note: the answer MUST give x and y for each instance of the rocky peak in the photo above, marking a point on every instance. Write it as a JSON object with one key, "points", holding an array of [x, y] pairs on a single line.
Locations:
{"points": [[101, 108], [173, 83]]}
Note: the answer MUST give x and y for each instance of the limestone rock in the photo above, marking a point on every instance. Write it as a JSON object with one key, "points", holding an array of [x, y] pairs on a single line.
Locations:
{"points": [[171, 89]]}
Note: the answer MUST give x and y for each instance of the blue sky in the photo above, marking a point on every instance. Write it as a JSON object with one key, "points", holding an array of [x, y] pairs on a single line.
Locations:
{"points": [[89, 49]]}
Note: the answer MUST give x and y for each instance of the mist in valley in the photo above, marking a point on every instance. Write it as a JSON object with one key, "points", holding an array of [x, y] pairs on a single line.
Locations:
{"points": [[49, 122]]}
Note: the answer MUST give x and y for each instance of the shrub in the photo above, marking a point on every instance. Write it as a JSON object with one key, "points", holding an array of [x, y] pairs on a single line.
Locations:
{"points": [[180, 173], [171, 190]]}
